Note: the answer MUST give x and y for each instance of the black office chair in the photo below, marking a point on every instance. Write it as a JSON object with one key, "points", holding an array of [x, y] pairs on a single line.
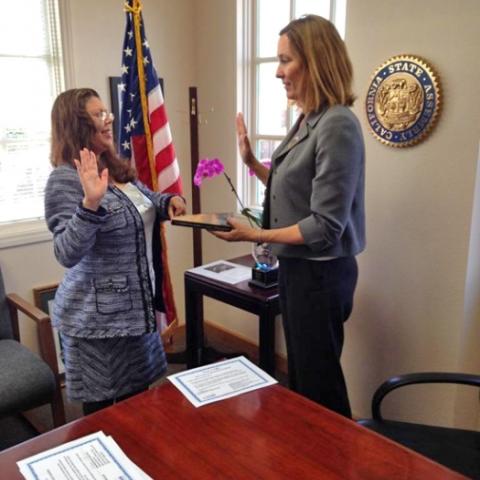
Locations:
{"points": [[455, 448], [26, 379]]}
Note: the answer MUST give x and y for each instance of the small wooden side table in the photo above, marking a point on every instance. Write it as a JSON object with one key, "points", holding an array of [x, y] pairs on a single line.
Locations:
{"points": [[262, 302]]}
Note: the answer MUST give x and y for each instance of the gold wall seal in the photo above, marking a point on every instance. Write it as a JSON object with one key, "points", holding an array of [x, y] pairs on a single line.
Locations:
{"points": [[403, 101]]}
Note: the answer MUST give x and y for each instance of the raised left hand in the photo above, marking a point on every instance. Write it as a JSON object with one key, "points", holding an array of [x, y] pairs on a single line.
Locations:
{"points": [[240, 232], [176, 207]]}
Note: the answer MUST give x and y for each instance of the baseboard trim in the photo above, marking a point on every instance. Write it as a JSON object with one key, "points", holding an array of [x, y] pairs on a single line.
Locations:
{"points": [[217, 334]]}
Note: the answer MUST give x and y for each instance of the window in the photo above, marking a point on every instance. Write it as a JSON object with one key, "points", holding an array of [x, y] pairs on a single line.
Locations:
{"points": [[32, 76], [262, 97]]}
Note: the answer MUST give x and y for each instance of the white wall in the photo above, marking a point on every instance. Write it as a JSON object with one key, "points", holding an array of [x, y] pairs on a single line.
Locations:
{"points": [[469, 356], [409, 314], [99, 27], [415, 275], [96, 39], [216, 77]]}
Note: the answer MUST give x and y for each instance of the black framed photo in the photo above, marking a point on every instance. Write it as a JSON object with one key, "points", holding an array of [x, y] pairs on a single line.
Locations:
{"points": [[42, 296], [115, 104], [43, 299]]}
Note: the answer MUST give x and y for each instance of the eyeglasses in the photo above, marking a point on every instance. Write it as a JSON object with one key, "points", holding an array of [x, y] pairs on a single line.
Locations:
{"points": [[103, 116]]}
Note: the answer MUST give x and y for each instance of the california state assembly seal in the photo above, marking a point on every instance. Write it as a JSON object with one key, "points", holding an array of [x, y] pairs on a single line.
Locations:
{"points": [[403, 101]]}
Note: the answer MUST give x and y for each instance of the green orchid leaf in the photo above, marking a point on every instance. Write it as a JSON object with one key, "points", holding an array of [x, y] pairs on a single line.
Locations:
{"points": [[255, 217]]}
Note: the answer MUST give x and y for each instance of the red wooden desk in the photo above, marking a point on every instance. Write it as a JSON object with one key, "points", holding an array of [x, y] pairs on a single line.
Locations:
{"points": [[267, 434]]}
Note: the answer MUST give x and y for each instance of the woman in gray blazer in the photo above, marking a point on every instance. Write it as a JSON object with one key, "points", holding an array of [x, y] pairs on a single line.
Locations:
{"points": [[314, 206], [105, 232]]}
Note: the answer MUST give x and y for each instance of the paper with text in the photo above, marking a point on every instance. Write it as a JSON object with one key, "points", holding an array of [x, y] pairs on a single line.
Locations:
{"points": [[95, 456], [224, 271], [220, 380]]}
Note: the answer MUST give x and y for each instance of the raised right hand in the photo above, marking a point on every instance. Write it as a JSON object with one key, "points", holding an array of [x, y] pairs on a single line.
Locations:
{"points": [[243, 142], [94, 184]]}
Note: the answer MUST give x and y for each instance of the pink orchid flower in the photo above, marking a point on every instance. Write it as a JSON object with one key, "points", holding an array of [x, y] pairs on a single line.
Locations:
{"points": [[208, 168]]}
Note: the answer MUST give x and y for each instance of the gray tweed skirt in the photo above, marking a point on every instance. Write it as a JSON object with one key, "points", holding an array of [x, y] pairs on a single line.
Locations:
{"points": [[107, 368]]}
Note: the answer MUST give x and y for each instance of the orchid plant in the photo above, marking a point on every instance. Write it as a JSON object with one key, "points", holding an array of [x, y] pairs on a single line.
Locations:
{"points": [[212, 167]]}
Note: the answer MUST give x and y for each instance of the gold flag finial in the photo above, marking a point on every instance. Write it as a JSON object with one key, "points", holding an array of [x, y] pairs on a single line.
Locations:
{"points": [[135, 8]]}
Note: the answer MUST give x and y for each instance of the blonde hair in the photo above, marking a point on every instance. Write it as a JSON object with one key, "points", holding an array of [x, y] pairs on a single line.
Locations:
{"points": [[328, 69]]}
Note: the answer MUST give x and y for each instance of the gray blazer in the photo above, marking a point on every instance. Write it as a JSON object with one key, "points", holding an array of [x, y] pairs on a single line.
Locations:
{"points": [[317, 180]]}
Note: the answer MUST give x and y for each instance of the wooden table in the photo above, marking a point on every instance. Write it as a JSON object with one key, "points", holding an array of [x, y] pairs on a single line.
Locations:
{"points": [[261, 302], [267, 434]]}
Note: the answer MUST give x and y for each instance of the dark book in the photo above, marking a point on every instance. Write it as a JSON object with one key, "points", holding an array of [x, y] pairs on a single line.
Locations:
{"points": [[208, 221]]}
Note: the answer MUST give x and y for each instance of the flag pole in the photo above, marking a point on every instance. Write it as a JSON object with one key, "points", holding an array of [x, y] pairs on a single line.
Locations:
{"points": [[169, 300], [136, 9], [194, 156]]}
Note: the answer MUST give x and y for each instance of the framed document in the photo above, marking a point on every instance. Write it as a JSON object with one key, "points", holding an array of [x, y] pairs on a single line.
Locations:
{"points": [[43, 299], [208, 221]]}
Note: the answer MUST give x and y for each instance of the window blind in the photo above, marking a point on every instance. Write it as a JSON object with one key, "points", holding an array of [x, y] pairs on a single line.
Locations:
{"points": [[32, 76]]}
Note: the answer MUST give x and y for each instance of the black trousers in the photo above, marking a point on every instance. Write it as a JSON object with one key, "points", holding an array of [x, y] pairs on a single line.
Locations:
{"points": [[316, 298]]}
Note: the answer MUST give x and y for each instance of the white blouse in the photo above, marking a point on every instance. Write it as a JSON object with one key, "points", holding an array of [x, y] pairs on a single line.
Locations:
{"points": [[147, 211]]}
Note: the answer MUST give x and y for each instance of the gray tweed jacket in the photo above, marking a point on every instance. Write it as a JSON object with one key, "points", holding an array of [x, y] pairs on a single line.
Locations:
{"points": [[106, 290], [317, 180]]}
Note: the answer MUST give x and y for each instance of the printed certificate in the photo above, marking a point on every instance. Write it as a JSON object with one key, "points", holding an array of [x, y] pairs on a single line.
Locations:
{"points": [[221, 380], [95, 456]]}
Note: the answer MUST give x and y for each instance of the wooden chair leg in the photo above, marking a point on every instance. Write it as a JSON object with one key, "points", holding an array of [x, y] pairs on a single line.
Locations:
{"points": [[58, 409]]}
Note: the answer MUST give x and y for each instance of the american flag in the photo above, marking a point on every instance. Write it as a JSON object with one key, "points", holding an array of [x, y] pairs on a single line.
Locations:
{"points": [[147, 143], [165, 177]]}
